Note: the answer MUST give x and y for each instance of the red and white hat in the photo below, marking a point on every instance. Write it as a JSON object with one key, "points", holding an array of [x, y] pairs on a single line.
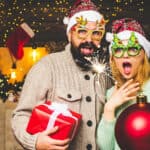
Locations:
{"points": [[84, 8], [123, 28]]}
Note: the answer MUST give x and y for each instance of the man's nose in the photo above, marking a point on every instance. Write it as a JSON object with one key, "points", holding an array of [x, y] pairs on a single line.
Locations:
{"points": [[89, 38]]}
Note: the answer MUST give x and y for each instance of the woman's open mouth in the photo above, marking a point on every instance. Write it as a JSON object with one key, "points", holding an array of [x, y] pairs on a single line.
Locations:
{"points": [[127, 66]]}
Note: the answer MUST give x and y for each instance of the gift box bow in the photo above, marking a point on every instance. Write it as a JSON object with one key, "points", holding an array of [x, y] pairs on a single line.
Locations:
{"points": [[59, 108]]}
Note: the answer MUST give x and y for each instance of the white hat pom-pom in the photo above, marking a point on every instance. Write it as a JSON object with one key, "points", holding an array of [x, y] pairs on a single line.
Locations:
{"points": [[109, 37], [66, 20]]}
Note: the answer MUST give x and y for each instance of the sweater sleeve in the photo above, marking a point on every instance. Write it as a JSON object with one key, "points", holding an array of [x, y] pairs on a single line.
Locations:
{"points": [[33, 93], [146, 90], [105, 135], [105, 130]]}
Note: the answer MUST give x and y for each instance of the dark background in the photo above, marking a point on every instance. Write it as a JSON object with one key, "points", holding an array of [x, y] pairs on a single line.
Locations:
{"points": [[45, 17]]}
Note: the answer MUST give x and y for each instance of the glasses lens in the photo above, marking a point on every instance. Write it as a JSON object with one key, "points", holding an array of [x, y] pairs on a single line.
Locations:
{"points": [[117, 52], [97, 35], [82, 33], [133, 51]]}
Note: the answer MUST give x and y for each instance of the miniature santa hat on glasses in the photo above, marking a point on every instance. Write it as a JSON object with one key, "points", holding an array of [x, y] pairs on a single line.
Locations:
{"points": [[18, 39], [84, 8], [123, 28]]}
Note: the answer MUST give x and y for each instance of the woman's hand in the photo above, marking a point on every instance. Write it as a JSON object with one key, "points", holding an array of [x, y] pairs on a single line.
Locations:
{"points": [[125, 93], [45, 142]]}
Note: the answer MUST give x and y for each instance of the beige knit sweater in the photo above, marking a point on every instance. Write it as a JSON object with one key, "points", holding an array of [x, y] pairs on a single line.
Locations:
{"points": [[56, 77]]}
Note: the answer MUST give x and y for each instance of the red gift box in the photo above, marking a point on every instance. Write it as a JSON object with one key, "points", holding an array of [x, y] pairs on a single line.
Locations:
{"points": [[46, 116]]}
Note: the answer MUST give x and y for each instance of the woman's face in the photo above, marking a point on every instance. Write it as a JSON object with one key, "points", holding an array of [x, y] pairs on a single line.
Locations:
{"points": [[128, 65]]}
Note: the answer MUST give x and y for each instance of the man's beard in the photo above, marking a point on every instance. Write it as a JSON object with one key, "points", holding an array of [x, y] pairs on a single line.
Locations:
{"points": [[83, 54], [87, 49]]}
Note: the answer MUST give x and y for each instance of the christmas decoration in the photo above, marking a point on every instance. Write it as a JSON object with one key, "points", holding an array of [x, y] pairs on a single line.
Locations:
{"points": [[81, 12], [42, 14], [12, 96], [18, 39], [6, 87], [123, 29], [132, 128], [127, 24]]}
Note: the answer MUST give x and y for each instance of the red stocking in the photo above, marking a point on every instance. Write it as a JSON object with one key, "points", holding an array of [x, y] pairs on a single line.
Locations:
{"points": [[18, 39]]}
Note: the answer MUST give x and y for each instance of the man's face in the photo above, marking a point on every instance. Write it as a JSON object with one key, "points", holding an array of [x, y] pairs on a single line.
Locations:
{"points": [[86, 39]]}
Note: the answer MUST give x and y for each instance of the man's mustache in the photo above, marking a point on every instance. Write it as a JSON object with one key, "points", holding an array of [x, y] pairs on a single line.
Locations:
{"points": [[89, 45]]}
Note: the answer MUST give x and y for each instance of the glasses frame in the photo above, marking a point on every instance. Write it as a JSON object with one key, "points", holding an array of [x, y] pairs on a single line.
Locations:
{"points": [[126, 49], [102, 31]]}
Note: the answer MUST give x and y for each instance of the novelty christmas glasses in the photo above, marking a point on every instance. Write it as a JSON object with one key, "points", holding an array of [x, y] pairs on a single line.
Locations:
{"points": [[83, 33], [133, 48]]}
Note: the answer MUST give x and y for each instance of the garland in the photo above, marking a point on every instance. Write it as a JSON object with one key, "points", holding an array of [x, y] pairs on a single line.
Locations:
{"points": [[5, 87]]}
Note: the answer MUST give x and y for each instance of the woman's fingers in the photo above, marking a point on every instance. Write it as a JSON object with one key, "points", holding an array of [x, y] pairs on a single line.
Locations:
{"points": [[132, 89], [124, 86], [129, 98]]}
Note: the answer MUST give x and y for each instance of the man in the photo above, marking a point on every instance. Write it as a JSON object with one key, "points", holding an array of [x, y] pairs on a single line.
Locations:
{"points": [[67, 77]]}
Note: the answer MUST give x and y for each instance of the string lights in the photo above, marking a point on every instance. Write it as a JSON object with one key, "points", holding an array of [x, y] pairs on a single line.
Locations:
{"points": [[40, 14]]}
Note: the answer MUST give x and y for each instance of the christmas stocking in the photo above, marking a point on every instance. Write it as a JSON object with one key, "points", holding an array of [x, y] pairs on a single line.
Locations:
{"points": [[18, 39]]}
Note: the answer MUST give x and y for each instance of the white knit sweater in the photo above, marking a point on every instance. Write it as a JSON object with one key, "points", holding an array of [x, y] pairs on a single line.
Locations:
{"points": [[56, 77]]}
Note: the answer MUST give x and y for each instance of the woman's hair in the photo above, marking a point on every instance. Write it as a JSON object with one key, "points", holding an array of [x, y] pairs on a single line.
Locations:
{"points": [[142, 76]]}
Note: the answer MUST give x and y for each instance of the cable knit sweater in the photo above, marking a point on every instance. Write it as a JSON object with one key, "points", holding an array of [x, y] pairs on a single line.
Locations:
{"points": [[56, 77]]}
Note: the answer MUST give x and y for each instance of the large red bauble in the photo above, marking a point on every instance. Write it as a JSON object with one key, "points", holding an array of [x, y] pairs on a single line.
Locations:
{"points": [[132, 129]]}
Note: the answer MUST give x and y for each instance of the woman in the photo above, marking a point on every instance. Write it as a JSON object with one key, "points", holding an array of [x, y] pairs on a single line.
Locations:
{"points": [[130, 65]]}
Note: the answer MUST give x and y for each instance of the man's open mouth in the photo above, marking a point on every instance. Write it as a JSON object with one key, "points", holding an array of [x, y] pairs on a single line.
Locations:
{"points": [[87, 51], [87, 48]]}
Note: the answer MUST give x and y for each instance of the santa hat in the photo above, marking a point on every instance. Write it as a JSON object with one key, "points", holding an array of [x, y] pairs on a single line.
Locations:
{"points": [[84, 8], [18, 39], [123, 28]]}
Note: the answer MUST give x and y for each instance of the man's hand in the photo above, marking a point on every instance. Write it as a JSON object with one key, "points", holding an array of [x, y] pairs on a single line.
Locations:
{"points": [[45, 142]]}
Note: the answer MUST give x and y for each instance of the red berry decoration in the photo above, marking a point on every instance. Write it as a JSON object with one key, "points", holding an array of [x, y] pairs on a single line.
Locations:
{"points": [[132, 129]]}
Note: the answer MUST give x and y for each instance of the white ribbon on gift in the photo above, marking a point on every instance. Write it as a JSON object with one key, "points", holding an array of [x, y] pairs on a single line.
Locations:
{"points": [[59, 108]]}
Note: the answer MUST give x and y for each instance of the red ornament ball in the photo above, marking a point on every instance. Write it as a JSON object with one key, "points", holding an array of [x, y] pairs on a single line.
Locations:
{"points": [[132, 129]]}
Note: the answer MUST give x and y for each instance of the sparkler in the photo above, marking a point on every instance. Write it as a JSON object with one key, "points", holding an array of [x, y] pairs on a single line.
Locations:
{"points": [[103, 68], [99, 68], [99, 65]]}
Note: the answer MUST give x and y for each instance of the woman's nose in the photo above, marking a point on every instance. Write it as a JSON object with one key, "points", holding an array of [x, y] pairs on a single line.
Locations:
{"points": [[125, 54]]}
